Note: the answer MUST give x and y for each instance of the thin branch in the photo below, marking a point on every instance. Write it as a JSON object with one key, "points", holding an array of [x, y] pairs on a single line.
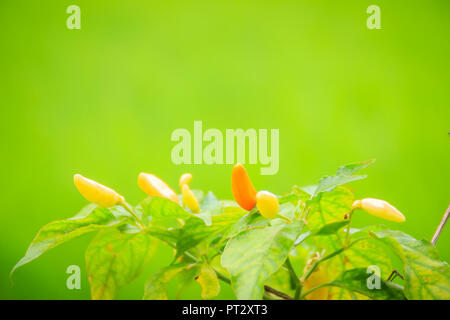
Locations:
{"points": [[304, 294], [440, 226], [393, 275], [278, 293], [268, 289], [317, 262], [347, 238], [130, 209]]}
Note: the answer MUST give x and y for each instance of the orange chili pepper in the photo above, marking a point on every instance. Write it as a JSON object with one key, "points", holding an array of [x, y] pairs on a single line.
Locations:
{"points": [[242, 188]]}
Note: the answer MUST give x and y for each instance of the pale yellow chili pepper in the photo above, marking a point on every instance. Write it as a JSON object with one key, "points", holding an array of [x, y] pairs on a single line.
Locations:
{"points": [[185, 179], [96, 192], [155, 187], [189, 199], [316, 278], [379, 208], [267, 204]]}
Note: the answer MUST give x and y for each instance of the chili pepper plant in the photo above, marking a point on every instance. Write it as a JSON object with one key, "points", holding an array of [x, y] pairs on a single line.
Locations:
{"points": [[299, 245]]}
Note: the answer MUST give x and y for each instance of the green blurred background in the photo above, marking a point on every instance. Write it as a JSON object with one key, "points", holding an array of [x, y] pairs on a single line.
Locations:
{"points": [[104, 100]]}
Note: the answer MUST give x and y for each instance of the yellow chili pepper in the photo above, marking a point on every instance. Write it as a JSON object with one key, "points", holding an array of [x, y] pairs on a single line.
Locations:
{"points": [[318, 277], [96, 192], [242, 188], [189, 199], [155, 187], [267, 204], [185, 179], [379, 208]]}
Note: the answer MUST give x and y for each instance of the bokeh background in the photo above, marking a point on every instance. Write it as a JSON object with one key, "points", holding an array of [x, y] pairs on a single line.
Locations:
{"points": [[104, 100]]}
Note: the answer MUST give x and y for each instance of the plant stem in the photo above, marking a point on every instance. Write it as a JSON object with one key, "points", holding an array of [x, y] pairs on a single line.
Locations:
{"points": [[278, 293], [294, 278], [331, 255], [225, 279], [347, 239], [266, 288], [441, 226], [313, 289], [393, 275], [316, 264], [222, 277], [283, 218], [127, 207]]}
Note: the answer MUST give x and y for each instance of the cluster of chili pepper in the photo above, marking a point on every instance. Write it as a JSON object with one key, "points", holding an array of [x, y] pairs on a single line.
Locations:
{"points": [[246, 196], [242, 188]]}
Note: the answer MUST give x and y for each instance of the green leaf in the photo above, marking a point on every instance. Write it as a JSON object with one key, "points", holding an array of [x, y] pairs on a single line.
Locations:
{"points": [[195, 231], [211, 204], [205, 216], [114, 259], [331, 207], [363, 252], [355, 280], [281, 281], [161, 210], [155, 287], [345, 174], [310, 189], [331, 228], [287, 210], [367, 252], [302, 238], [209, 282], [295, 195], [426, 276], [254, 219], [169, 236], [230, 204], [352, 168], [91, 218], [251, 218], [120, 212], [199, 195], [185, 279], [85, 211], [329, 183], [254, 255]]}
